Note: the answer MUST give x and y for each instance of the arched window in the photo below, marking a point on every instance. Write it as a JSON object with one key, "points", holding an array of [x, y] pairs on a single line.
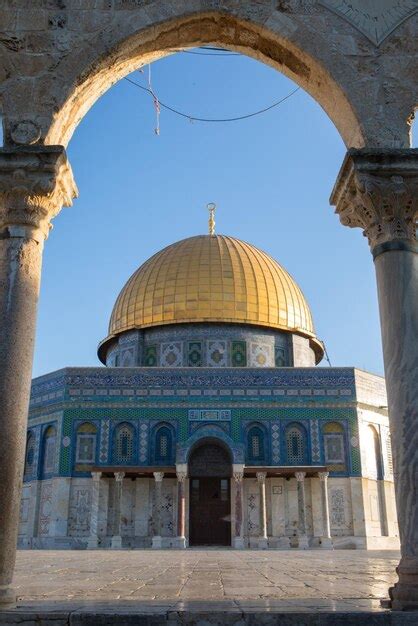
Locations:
{"points": [[86, 443], [296, 448], [30, 455], [373, 452], [334, 443], [123, 451], [49, 450], [163, 445], [255, 445]]}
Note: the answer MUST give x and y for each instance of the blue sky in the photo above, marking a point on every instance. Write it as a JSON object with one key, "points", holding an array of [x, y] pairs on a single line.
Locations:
{"points": [[271, 177]]}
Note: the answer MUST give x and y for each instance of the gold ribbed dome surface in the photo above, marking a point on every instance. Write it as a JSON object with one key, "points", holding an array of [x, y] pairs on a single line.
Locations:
{"points": [[211, 278]]}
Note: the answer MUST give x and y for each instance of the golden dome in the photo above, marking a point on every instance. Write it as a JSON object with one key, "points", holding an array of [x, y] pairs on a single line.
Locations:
{"points": [[212, 278]]}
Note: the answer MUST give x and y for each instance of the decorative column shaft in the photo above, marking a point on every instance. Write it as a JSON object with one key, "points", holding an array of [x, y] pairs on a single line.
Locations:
{"points": [[326, 541], [239, 514], [157, 540], [263, 540], [94, 511], [302, 538], [181, 509], [117, 508], [377, 190], [35, 182]]}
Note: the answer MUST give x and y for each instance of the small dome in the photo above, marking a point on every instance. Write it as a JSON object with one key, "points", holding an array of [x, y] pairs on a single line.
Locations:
{"points": [[212, 278]]}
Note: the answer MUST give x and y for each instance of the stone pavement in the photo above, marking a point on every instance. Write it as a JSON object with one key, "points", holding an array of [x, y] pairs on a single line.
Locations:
{"points": [[205, 586]]}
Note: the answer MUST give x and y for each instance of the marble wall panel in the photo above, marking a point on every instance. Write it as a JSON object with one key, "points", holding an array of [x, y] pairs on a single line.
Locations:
{"points": [[80, 507], [252, 508], [142, 502], [277, 500], [45, 508]]}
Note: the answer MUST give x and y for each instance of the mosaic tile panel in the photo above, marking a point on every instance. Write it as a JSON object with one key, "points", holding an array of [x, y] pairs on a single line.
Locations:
{"points": [[171, 354], [194, 354], [104, 441], [275, 443], [217, 354], [143, 442], [261, 355], [150, 356], [238, 354], [315, 444]]}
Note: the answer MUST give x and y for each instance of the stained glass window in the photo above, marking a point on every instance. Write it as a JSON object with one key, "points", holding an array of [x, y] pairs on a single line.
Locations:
{"points": [[163, 445], [256, 445], [124, 444], [30, 455], [296, 445], [50, 441]]}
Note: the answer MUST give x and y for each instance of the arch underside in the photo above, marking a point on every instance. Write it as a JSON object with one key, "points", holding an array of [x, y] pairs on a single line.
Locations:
{"points": [[213, 28]]}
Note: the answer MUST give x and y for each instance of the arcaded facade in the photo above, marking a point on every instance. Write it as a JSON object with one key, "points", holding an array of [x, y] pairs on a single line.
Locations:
{"points": [[210, 424]]}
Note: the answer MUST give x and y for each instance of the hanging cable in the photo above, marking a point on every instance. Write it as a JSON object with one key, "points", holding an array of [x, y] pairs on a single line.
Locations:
{"points": [[193, 118], [326, 354], [212, 54], [156, 102]]}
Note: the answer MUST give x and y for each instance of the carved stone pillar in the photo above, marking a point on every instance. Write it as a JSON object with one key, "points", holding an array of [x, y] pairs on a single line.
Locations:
{"points": [[302, 538], [116, 541], [239, 513], [157, 539], [326, 541], [377, 190], [93, 541], [181, 509], [35, 182], [263, 539]]}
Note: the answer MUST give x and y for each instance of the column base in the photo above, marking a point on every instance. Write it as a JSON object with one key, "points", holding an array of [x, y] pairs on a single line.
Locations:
{"points": [[7, 596], [181, 543], [404, 594], [325, 543], [157, 542], [93, 542], [283, 543], [238, 543], [303, 542], [116, 542], [263, 543]]}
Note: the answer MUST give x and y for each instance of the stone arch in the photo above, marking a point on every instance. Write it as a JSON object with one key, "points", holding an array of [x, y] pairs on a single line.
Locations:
{"points": [[213, 434], [102, 61]]}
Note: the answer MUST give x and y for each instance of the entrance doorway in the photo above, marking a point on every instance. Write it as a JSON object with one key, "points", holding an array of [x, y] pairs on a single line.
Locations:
{"points": [[210, 496]]}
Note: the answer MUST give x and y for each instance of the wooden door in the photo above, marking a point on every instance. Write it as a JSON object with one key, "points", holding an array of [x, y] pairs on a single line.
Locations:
{"points": [[210, 512]]}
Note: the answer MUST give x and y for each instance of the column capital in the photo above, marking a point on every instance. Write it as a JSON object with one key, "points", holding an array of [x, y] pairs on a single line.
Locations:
{"points": [[300, 476], [158, 476], [96, 476], [261, 477], [181, 476], [377, 190], [119, 476], [323, 476], [35, 183], [239, 475]]}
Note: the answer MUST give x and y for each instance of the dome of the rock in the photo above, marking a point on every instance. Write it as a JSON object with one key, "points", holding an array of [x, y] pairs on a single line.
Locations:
{"points": [[212, 279]]}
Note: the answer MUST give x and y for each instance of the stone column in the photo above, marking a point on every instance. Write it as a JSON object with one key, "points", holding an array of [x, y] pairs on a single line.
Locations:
{"points": [[263, 539], [93, 540], [239, 513], [181, 510], [35, 182], [325, 540], [377, 190], [116, 541], [157, 539], [302, 538]]}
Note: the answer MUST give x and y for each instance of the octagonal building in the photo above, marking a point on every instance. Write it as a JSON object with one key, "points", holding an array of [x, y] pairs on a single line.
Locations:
{"points": [[210, 423]]}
